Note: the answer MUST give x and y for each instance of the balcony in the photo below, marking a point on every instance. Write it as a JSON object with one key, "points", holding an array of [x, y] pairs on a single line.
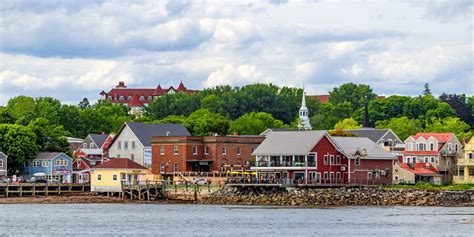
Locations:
{"points": [[449, 153], [466, 161], [462, 180], [284, 164]]}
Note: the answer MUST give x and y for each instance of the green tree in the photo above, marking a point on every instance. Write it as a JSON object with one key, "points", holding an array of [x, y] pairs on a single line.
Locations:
{"points": [[357, 95], [348, 123], [20, 106], [254, 123], [202, 122], [427, 90], [403, 126], [49, 137], [84, 103], [18, 143], [455, 125], [49, 108], [177, 119], [6, 116]]}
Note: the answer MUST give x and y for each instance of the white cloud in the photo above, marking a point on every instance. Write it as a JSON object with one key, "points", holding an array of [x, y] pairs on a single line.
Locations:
{"points": [[236, 76]]}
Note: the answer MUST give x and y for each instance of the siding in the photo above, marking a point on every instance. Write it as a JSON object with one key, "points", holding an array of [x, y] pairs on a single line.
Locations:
{"points": [[129, 136]]}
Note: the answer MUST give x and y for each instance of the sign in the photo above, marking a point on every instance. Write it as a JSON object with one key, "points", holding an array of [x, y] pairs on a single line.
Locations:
{"points": [[203, 163], [136, 171]]}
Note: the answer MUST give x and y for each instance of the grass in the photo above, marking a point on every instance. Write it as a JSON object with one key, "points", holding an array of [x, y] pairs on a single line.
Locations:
{"points": [[430, 186]]}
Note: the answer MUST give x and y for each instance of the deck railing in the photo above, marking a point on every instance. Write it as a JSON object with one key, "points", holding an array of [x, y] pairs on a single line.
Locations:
{"points": [[312, 182]]}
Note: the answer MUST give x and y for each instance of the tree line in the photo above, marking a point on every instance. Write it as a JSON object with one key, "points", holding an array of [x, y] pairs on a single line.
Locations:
{"points": [[30, 125]]}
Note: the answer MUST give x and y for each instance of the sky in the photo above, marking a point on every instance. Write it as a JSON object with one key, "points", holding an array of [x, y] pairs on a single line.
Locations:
{"points": [[74, 49]]}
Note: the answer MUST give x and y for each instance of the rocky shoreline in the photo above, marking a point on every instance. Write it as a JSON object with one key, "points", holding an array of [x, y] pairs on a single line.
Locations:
{"points": [[339, 197]]}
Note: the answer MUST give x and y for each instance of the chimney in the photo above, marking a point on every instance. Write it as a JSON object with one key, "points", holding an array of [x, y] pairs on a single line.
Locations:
{"points": [[167, 133]]}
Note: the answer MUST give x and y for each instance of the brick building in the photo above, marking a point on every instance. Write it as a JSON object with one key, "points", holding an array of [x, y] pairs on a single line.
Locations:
{"points": [[172, 154]]}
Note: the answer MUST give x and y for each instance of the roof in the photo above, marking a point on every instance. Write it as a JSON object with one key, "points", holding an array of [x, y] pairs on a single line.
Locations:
{"points": [[120, 163], [440, 137], [419, 169], [373, 134], [144, 131], [350, 145], [99, 139], [289, 142], [135, 102], [93, 151], [48, 155], [91, 162], [3, 155]]}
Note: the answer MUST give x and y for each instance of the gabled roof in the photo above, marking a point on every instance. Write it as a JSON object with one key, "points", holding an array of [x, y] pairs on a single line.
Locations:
{"points": [[144, 131], [289, 142], [440, 137], [99, 139], [135, 102], [350, 145], [3, 155], [373, 134], [120, 163], [419, 169], [48, 155]]}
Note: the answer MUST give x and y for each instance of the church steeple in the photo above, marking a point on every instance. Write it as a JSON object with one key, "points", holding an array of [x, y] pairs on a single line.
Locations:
{"points": [[304, 115]]}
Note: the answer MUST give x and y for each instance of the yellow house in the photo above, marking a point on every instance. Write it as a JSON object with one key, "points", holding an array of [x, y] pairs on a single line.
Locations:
{"points": [[466, 164], [108, 176]]}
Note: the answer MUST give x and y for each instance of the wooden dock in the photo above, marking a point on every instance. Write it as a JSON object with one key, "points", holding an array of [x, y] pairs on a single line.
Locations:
{"points": [[143, 191], [40, 189]]}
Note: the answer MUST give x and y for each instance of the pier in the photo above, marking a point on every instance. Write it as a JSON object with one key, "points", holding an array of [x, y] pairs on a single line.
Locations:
{"points": [[143, 191], [40, 189]]}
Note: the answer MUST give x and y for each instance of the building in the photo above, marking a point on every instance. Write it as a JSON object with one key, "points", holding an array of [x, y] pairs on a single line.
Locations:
{"points": [[133, 141], [441, 150], [108, 176], [414, 173], [3, 164], [178, 154], [94, 146], [95, 141], [385, 138], [74, 143], [316, 158], [304, 114], [466, 163], [81, 168], [56, 166]]}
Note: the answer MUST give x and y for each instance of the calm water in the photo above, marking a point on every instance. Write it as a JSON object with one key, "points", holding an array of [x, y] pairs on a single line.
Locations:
{"points": [[184, 220]]}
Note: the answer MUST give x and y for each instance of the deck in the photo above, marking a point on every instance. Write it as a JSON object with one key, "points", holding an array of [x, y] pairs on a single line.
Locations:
{"points": [[143, 191], [40, 189]]}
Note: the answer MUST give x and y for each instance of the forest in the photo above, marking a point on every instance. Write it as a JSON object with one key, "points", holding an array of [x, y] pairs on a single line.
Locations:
{"points": [[30, 125]]}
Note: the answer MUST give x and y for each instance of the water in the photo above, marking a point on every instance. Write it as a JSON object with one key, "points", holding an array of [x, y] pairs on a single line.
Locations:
{"points": [[184, 220]]}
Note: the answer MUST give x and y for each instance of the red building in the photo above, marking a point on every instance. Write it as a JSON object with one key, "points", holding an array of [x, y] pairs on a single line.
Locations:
{"points": [[314, 157], [202, 153], [123, 95], [81, 168]]}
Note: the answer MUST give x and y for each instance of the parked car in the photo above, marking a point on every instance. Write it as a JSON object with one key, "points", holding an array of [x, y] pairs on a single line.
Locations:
{"points": [[199, 181], [4, 180], [38, 178]]}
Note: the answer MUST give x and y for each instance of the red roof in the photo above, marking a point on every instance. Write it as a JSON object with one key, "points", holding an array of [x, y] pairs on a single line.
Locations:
{"points": [[181, 87], [107, 142], [158, 91], [440, 137], [419, 168], [148, 93], [120, 163], [135, 102]]}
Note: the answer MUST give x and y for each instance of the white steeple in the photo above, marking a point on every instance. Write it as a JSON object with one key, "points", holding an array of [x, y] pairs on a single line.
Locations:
{"points": [[304, 115]]}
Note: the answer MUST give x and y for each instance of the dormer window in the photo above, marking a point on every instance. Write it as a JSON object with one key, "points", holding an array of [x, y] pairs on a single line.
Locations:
{"points": [[410, 146], [129, 98], [142, 98], [150, 98], [450, 147], [432, 147], [121, 98]]}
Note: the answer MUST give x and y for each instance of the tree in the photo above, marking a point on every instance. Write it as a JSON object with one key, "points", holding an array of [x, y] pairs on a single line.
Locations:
{"points": [[202, 122], [348, 123], [460, 104], [6, 116], [84, 103], [341, 133], [427, 90], [18, 143], [254, 123], [455, 125], [20, 106], [177, 119], [49, 108], [49, 137], [442, 110], [403, 126], [357, 95]]}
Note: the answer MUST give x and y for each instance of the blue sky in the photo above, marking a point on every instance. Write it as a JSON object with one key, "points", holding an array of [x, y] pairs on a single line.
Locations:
{"points": [[74, 49]]}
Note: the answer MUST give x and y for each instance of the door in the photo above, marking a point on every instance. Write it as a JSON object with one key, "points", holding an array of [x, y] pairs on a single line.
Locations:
{"points": [[315, 177]]}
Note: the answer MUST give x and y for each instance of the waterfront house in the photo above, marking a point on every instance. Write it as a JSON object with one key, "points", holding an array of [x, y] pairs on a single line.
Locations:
{"points": [[384, 138], [316, 158], [95, 141], [82, 166], [415, 172], [108, 176], [466, 163], [57, 166], [171, 155], [3, 164], [74, 143], [133, 141], [441, 150]]}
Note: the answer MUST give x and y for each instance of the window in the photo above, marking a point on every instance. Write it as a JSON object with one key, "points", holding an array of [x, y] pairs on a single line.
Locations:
{"points": [[92, 145], [162, 168], [338, 175], [99, 177], [119, 144], [129, 97], [326, 175], [132, 157], [338, 159], [456, 147], [84, 145], [432, 159], [408, 160], [382, 142], [426, 159], [450, 146], [150, 98], [78, 163], [253, 149], [195, 150], [471, 155], [1, 163], [332, 176], [114, 177], [175, 150], [410, 146], [133, 145], [45, 163], [432, 147], [414, 159], [332, 159], [162, 150], [224, 150], [206, 150], [357, 160], [118, 155], [175, 168], [421, 146], [325, 159], [109, 97], [369, 175], [121, 97], [123, 176], [142, 98], [125, 145], [239, 151]]}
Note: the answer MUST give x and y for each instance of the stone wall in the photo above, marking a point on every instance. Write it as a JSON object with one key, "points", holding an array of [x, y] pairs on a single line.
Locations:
{"points": [[338, 197]]}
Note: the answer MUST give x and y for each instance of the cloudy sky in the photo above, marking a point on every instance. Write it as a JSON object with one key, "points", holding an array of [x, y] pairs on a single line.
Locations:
{"points": [[74, 49]]}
